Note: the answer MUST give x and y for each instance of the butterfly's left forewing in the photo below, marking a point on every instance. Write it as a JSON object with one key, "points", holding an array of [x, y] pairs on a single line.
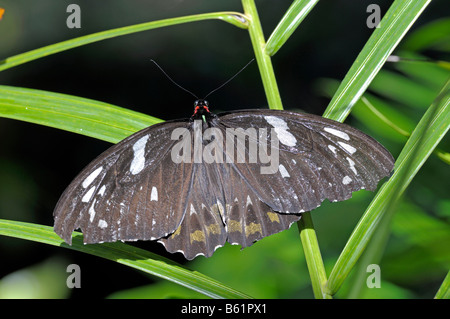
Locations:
{"points": [[118, 196]]}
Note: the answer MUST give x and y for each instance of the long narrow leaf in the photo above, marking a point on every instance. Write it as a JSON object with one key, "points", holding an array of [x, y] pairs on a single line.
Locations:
{"points": [[234, 18], [263, 59], [444, 289], [431, 129], [313, 256], [71, 113], [296, 13], [127, 255], [394, 25]]}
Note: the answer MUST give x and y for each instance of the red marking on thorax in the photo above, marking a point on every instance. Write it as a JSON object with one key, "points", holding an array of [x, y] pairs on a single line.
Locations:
{"points": [[198, 107]]}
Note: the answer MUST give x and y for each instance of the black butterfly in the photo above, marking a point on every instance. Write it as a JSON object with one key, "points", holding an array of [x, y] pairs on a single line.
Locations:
{"points": [[180, 183]]}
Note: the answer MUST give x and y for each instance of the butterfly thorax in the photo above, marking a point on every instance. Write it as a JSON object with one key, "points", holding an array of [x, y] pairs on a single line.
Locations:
{"points": [[202, 112]]}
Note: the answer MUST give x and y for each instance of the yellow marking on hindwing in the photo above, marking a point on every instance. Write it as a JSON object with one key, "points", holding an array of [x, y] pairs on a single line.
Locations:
{"points": [[234, 225], [198, 235], [273, 217], [252, 228], [177, 232], [213, 229]]}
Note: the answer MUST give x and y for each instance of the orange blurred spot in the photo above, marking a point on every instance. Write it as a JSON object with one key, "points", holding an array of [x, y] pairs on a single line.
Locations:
{"points": [[1, 13]]}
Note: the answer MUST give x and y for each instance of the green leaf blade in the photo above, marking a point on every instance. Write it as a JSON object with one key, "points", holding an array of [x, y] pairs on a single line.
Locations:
{"points": [[263, 59], [394, 25], [296, 13], [444, 289], [234, 18], [124, 254], [313, 256], [71, 113], [428, 133]]}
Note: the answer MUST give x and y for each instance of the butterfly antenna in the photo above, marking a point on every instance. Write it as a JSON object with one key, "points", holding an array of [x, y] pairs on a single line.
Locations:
{"points": [[229, 79], [164, 72]]}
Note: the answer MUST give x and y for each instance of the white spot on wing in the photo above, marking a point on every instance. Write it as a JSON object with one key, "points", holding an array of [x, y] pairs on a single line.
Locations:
{"points": [[138, 162], [154, 194], [192, 210], [276, 121], [281, 128], [249, 201], [337, 133], [346, 180], [102, 223], [87, 197], [347, 147], [92, 212], [102, 190], [283, 171], [332, 148], [352, 165], [91, 177], [285, 137]]}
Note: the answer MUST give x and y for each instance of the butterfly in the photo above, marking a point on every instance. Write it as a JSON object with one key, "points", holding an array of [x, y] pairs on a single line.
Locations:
{"points": [[237, 177]]}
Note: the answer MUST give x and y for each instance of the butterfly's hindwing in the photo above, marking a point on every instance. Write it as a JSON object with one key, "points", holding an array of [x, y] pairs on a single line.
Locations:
{"points": [[202, 230], [247, 218]]}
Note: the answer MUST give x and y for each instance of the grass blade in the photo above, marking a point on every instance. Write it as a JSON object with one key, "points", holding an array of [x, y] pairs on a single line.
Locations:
{"points": [[298, 11], [433, 35], [124, 254], [394, 25], [444, 290], [263, 59], [234, 18], [428, 133], [71, 113], [403, 90], [313, 256]]}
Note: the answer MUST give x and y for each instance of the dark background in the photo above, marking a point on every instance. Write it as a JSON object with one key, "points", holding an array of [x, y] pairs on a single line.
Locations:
{"points": [[37, 162]]}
